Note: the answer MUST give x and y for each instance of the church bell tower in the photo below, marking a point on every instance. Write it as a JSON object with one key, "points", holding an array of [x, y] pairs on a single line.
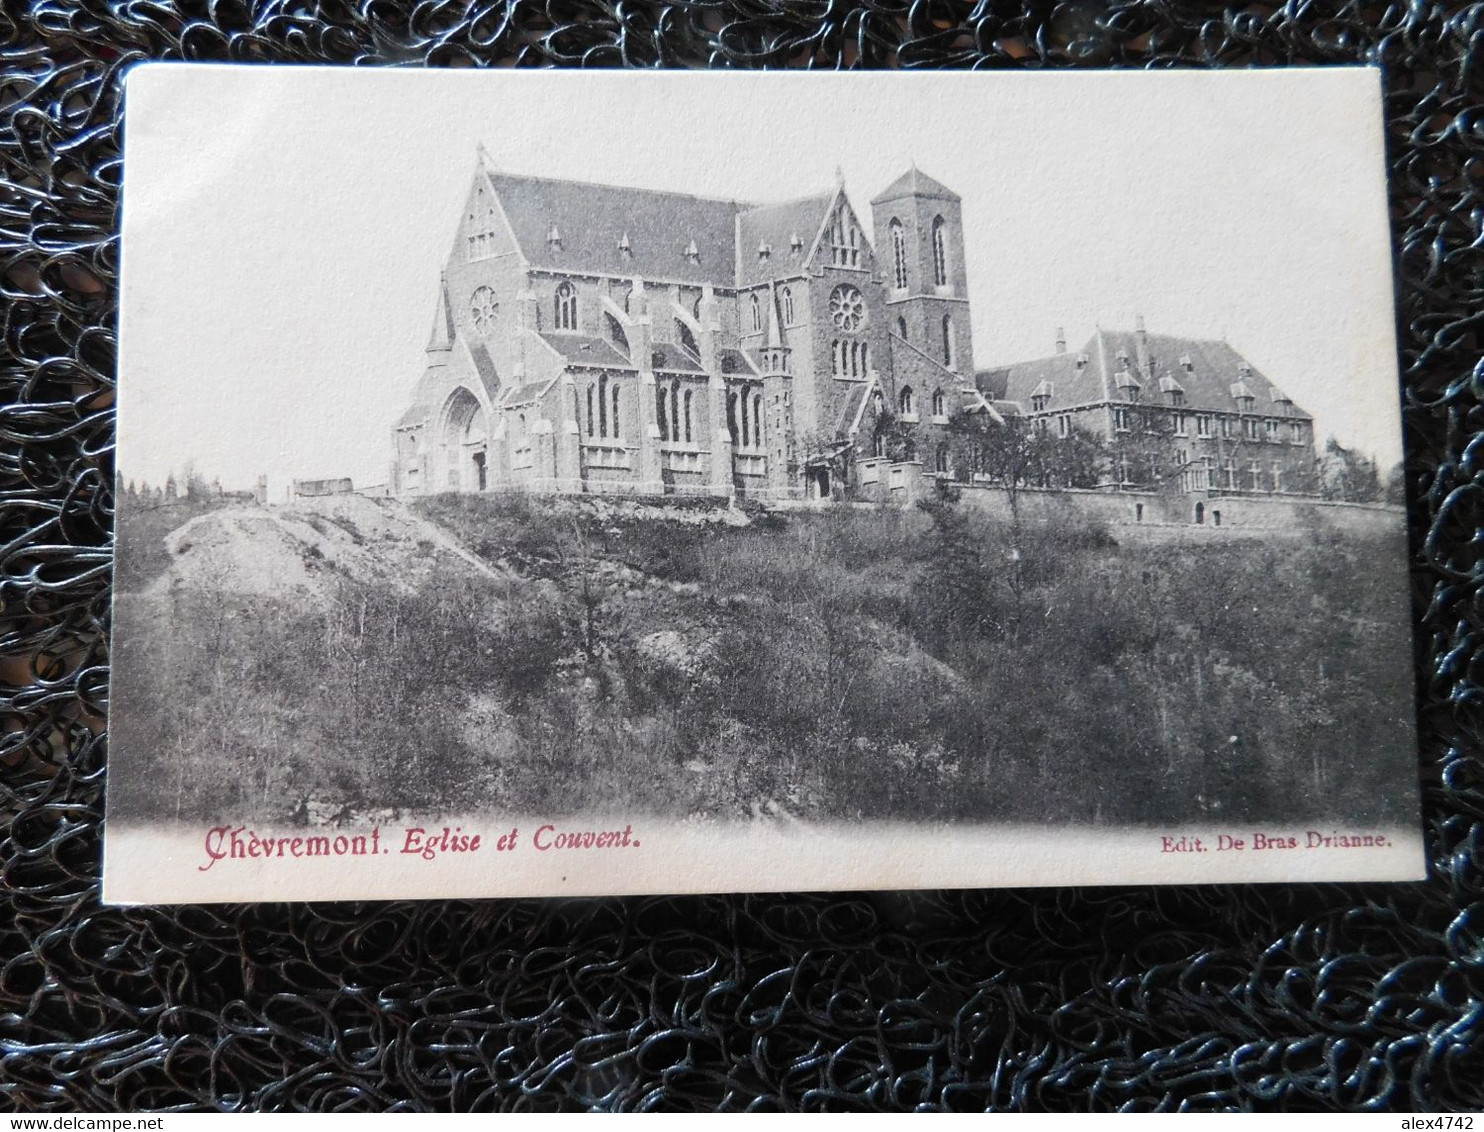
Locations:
{"points": [[920, 249]]}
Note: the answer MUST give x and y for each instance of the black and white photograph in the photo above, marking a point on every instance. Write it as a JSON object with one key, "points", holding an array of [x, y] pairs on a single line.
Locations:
{"points": [[540, 484]]}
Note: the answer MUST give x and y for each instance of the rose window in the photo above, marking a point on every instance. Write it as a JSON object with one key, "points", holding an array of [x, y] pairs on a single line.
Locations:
{"points": [[482, 309], [847, 308]]}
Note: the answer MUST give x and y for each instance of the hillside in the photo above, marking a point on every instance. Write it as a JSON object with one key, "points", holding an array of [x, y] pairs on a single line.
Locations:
{"points": [[697, 659]]}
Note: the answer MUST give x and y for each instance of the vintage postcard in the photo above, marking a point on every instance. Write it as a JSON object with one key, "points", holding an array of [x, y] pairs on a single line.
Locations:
{"points": [[588, 483]]}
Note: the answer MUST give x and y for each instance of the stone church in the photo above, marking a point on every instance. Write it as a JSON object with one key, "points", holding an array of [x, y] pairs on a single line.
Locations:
{"points": [[596, 338]]}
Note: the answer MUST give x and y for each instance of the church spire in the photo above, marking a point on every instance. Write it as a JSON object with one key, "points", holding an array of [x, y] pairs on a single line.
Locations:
{"points": [[441, 338]]}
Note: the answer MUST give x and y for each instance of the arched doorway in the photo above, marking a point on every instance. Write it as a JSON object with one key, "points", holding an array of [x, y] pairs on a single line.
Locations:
{"points": [[1200, 513], [465, 443]]}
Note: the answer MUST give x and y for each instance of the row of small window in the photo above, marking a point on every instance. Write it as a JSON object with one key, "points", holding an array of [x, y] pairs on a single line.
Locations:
{"points": [[1192, 478], [674, 413], [785, 300], [947, 349], [1255, 478], [845, 241], [899, 253], [1251, 427], [850, 358], [907, 402]]}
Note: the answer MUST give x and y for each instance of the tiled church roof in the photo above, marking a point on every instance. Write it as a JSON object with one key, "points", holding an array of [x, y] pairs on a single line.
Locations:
{"points": [[584, 350], [1214, 369], [775, 226], [592, 219], [915, 182]]}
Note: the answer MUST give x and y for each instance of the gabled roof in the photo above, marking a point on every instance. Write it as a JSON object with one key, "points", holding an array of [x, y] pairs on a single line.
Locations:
{"points": [[592, 220], [775, 226], [1216, 370], [915, 182]]}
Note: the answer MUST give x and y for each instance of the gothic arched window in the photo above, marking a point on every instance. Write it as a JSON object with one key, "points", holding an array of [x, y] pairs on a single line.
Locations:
{"points": [[603, 405], [615, 411], [732, 416], [788, 306], [939, 405], [566, 306], [590, 411], [902, 328], [757, 420], [906, 403], [948, 340], [899, 256], [940, 254], [757, 314], [661, 413], [688, 396], [482, 224], [940, 460], [675, 410]]}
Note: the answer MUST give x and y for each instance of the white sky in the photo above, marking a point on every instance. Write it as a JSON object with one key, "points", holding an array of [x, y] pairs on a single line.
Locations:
{"points": [[284, 227]]}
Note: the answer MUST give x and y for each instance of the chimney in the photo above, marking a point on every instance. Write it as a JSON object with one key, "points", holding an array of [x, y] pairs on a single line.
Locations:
{"points": [[1061, 340], [1141, 345]]}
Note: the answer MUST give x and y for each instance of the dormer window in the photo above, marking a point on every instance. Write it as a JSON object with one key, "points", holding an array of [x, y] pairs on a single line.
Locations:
{"points": [[1081, 361], [796, 243], [1186, 364], [623, 245], [1041, 397], [554, 238], [692, 252], [764, 250]]}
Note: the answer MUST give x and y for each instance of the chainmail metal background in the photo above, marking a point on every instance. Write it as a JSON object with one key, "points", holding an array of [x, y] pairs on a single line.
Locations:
{"points": [[1291, 997]]}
